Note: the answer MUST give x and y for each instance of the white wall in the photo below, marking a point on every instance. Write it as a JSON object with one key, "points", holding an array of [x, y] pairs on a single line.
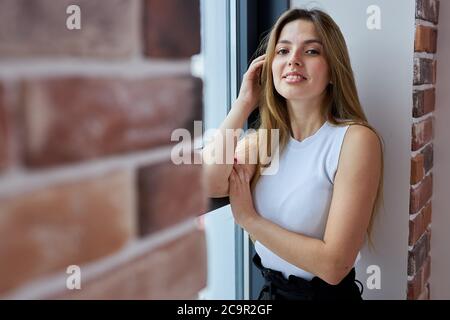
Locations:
{"points": [[440, 235], [382, 61]]}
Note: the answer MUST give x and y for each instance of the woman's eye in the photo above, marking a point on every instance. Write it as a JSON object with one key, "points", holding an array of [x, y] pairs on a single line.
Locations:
{"points": [[312, 51]]}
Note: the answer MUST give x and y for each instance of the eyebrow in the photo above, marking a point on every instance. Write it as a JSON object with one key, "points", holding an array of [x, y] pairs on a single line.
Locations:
{"points": [[304, 42]]}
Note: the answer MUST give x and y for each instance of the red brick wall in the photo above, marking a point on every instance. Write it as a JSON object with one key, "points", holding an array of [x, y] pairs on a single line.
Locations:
{"points": [[85, 172], [425, 65]]}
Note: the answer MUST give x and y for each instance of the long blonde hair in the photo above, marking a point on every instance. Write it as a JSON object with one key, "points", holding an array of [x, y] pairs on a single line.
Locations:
{"points": [[341, 104]]}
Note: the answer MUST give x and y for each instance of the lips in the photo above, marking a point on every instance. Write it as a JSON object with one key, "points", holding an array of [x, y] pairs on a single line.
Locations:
{"points": [[294, 76]]}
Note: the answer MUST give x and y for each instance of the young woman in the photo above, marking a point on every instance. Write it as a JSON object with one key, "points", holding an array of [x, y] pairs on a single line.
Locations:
{"points": [[309, 220]]}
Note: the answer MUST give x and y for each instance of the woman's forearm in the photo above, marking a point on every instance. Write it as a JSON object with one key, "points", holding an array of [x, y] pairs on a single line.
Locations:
{"points": [[307, 253], [217, 165]]}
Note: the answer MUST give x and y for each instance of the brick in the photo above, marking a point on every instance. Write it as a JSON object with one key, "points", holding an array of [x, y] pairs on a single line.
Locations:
{"points": [[417, 169], [424, 71], [172, 28], [422, 133], [418, 226], [418, 255], [159, 185], [425, 295], [434, 72], [426, 39], [47, 230], [427, 10], [109, 29], [4, 132], [426, 270], [418, 287], [176, 270], [424, 102], [420, 195], [76, 119], [428, 157], [414, 288]]}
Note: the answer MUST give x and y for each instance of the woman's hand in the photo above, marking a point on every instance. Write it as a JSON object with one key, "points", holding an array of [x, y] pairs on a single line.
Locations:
{"points": [[240, 196], [251, 87]]}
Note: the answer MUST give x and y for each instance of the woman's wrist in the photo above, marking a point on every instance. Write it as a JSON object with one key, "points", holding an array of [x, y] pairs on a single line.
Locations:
{"points": [[251, 222], [244, 106]]}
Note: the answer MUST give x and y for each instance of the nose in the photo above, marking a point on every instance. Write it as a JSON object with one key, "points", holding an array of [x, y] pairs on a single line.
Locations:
{"points": [[295, 60]]}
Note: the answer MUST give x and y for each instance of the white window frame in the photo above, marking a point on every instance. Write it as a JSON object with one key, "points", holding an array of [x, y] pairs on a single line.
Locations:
{"points": [[217, 66]]}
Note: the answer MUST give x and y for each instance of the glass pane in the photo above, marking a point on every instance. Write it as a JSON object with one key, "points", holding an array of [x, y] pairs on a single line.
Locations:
{"points": [[219, 224]]}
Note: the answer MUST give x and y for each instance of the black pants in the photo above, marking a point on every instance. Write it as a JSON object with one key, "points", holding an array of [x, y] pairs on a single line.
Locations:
{"points": [[277, 287]]}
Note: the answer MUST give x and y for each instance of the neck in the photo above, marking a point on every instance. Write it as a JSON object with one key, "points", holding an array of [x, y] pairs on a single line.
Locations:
{"points": [[306, 117]]}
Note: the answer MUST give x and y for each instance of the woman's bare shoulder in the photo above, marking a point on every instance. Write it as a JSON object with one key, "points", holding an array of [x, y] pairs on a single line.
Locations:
{"points": [[361, 133], [361, 140]]}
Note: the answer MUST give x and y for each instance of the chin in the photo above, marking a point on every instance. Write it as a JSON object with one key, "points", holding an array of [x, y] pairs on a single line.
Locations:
{"points": [[292, 96], [299, 94]]}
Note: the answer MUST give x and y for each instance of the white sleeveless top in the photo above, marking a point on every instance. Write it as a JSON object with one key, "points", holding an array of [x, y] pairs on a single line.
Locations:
{"points": [[298, 196]]}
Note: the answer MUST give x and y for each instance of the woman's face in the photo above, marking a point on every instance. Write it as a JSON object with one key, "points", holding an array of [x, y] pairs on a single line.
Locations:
{"points": [[299, 68]]}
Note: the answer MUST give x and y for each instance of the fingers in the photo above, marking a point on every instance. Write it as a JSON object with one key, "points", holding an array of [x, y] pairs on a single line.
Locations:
{"points": [[245, 177], [253, 69], [258, 59], [256, 65], [239, 177], [234, 176], [241, 174], [233, 181]]}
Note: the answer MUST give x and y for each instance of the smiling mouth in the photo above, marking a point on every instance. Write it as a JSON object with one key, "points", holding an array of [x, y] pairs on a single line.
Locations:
{"points": [[294, 78]]}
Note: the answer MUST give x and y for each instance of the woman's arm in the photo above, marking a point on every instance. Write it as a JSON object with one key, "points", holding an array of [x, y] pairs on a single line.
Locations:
{"points": [[217, 171], [217, 175], [354, 193]]}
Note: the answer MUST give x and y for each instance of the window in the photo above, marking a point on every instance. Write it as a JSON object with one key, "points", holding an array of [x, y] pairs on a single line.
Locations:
{"points": [[219, 225], [231, 31]]}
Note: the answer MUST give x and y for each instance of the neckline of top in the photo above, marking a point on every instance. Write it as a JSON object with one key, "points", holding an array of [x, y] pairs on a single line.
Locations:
{"points": [[296, 144]]}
